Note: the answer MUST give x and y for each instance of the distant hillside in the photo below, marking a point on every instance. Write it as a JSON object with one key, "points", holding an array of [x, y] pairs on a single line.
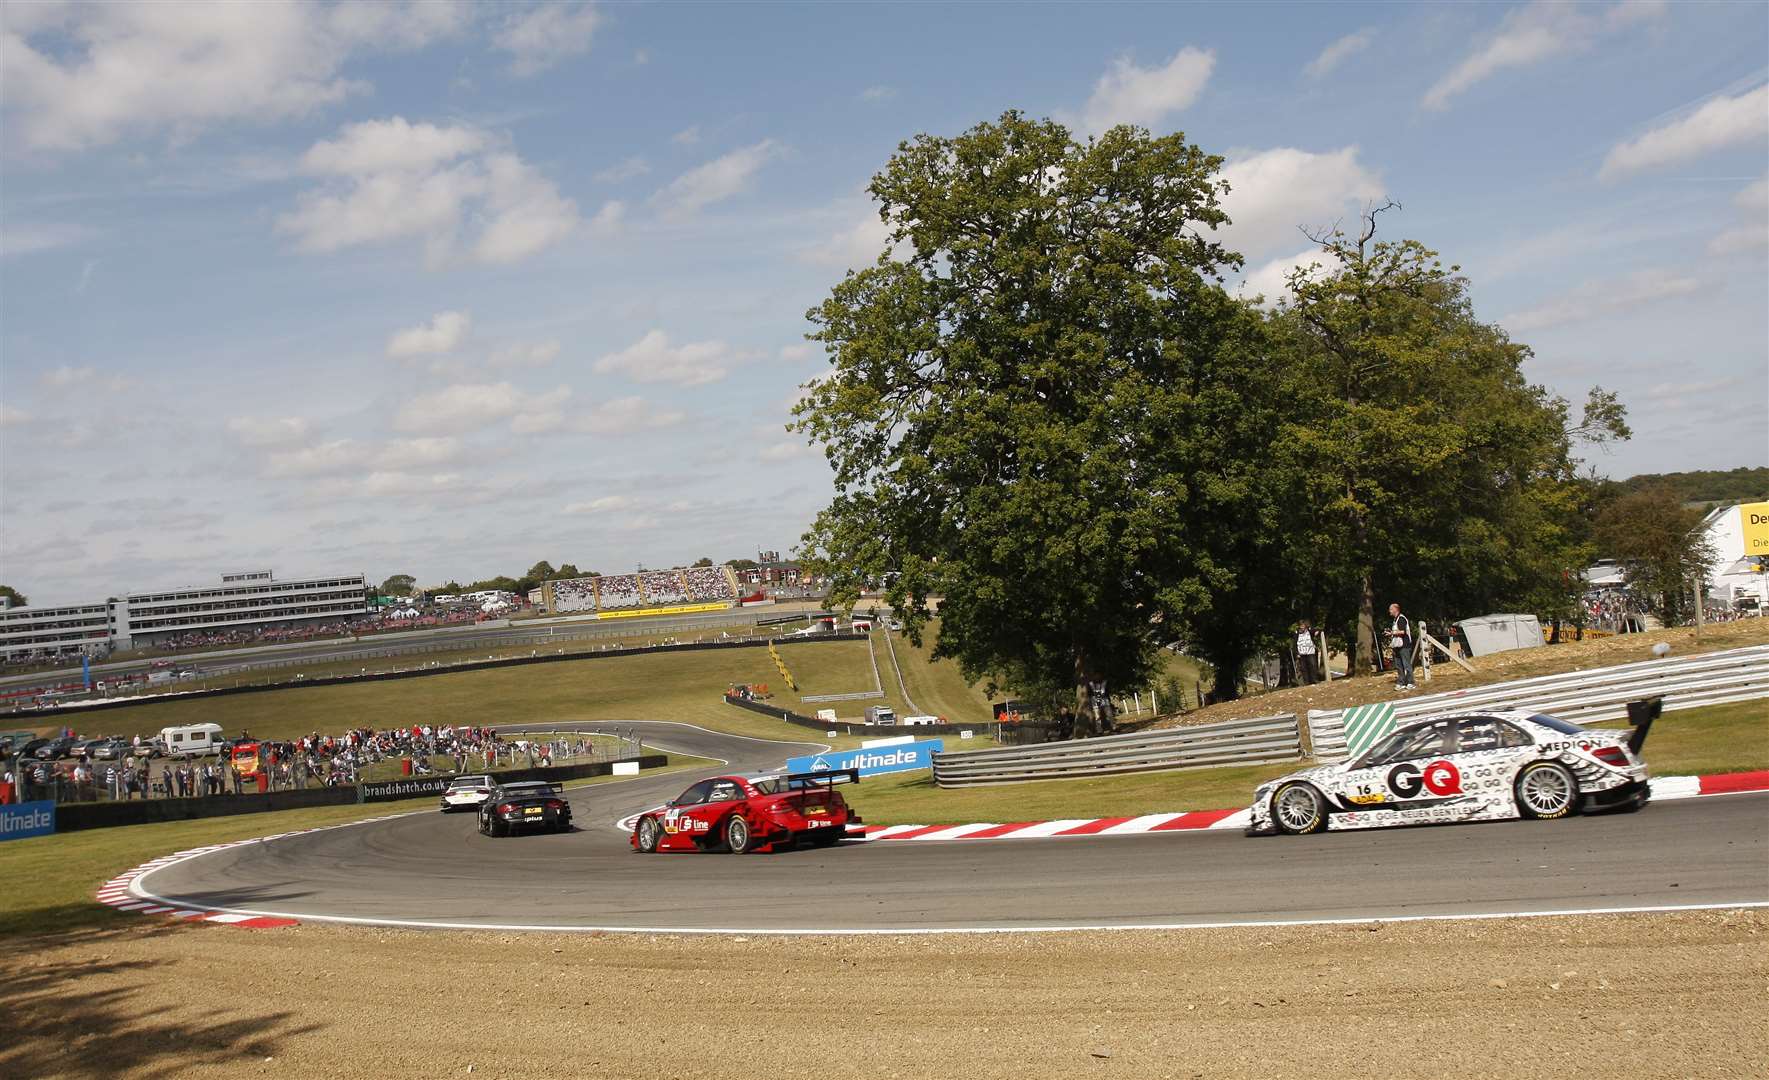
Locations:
{"points": [[1702, 486]]}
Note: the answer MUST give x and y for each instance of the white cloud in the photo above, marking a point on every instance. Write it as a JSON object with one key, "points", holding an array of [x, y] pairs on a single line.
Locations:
{"points": [[1753, 235], [625, 170], [857, 245], [467, 407], [335, 456], [32, 237], [418, 453], [1273, 192], [878, 93], [547, 33], [714, 181], [799, 353], [442, 334], [1536, 32], [1272, 280], [622, 416], [1127, 94], [268, 431], [1339, 52], [66, 377], [783, 451], [388, 483], [610, 218], [1607, 297], [11, 417], [607, 504], [92, 74], [1719, 123], [536, 355], [653, 359], [688, 136], [384, 181]]}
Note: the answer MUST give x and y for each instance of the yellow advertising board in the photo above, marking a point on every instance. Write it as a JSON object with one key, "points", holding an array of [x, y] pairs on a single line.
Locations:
{"points": [[1754, 517], [635, 613]]}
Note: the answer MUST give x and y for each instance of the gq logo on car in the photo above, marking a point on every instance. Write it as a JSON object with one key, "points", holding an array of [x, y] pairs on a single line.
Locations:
{"points": [[1439, 778]]}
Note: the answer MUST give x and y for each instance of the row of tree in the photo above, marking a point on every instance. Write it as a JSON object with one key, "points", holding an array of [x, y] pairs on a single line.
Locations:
{"points": [[1045, 408]]}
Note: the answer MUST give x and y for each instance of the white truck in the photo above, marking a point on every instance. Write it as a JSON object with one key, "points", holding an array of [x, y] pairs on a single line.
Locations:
{"points": [[881, 716], [191, 740]]}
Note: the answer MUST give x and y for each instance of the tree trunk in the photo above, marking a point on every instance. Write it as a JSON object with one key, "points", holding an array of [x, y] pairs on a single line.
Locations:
{"points": [[1227, 684], [1084, 726], [1366, 618]]}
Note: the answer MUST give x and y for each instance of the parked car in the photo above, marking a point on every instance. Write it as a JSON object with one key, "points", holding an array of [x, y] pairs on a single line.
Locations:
{"points": [[57, 748], [528, 804], [731, 813], [1465, 767], [110, 750]]}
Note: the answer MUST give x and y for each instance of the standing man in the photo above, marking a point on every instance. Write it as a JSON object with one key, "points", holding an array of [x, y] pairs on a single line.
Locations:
{"points": [[1305, 654], [1400, 639]]}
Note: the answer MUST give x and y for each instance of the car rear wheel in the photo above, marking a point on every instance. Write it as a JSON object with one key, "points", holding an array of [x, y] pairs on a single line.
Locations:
{"points": [[1546, 790], [1299, 809], [650, 835], [737, 835]]}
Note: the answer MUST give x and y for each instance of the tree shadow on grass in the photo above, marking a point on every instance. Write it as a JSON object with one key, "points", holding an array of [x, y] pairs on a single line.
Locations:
{"points": [[100, 1016]]}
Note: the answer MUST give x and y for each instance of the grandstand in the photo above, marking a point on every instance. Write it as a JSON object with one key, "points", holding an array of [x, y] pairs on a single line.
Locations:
{"points": [[643, 590]]}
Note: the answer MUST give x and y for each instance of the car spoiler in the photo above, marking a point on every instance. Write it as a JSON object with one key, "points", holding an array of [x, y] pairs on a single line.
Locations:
{"points": [[827, 777], [1641, 714]]}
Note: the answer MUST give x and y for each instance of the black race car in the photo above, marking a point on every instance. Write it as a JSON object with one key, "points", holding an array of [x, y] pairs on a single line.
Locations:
{"points": [[528, 804]]}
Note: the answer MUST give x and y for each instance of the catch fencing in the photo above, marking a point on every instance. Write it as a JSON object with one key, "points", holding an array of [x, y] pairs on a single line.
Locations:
{"points": [[1583, 697], [1231, 742]]}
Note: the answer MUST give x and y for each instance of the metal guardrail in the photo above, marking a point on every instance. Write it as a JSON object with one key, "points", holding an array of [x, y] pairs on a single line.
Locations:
{"points": [[1232, 742], [1583, 697]]}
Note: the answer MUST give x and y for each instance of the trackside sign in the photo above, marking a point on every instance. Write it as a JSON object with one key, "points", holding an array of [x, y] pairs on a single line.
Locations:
{"points": [[27, 819], [871, 762]]}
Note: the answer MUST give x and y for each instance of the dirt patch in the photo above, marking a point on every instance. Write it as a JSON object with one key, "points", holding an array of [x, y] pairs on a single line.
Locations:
{"points": [[1499, 667], [1678, 995]]}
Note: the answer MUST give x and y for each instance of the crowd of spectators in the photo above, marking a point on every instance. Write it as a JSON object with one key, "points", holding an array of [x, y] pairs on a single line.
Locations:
{"points": [[1617, 611], [620, 591], [663, 587], [708, 583], [575, 594], [312, 761]]}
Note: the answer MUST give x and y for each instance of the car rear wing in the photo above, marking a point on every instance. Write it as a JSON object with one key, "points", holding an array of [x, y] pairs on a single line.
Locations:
{"points": [[1641, 714], [822, 777]]}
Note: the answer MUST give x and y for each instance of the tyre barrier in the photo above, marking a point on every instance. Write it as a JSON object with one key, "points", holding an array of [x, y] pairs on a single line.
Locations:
{"points": [[1232, 742]]}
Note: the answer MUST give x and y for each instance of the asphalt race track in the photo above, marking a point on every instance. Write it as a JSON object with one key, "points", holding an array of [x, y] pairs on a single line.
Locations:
{"points": [[435, 869]]}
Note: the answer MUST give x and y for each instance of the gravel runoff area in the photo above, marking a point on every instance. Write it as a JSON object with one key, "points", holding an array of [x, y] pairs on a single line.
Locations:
{"points": [[1634, 996]]}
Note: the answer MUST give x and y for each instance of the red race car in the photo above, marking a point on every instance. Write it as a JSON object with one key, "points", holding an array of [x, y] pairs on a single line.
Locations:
{"points": [[735, 814]]}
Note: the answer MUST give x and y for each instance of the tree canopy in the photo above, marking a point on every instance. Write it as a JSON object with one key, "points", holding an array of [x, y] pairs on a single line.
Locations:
{"points": [[18, 599], [1044, 409]]}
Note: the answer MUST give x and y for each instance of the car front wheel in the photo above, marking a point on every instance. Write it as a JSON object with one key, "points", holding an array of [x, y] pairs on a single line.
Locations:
{"points": [[737, 835], [650, 835], [1298, 809], [1546, 790]]}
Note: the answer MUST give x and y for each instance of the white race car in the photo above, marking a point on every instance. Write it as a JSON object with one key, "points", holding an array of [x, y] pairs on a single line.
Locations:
{"points": [[1466, 767], [466, 793]]}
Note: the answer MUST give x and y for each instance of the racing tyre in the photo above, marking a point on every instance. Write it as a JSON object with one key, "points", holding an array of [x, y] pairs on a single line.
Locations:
{"points": [[1545, 789], [650, 835], [1298, 809], [737, 835]]}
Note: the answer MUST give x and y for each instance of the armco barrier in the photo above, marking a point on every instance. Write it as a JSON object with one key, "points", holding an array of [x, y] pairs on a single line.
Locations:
{"points": [[1233, 742], [434, 785], [415, 673], [72, 816], [1583, 697], [812, 722]]}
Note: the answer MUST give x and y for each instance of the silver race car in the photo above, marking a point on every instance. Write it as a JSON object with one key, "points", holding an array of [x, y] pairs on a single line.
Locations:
{"points": [[1464, 767]]}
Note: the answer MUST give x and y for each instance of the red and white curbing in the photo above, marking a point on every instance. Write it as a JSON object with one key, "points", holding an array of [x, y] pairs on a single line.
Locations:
{"points": [[118, 891], [1664, 789]]}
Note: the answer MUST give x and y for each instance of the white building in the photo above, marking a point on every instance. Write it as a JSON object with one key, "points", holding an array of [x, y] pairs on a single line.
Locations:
{"points": [[1740, 536], [242, 601], [29, 630]]}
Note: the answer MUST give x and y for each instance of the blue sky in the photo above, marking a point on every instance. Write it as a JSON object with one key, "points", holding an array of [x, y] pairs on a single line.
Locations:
{"points": [[448, 288]]}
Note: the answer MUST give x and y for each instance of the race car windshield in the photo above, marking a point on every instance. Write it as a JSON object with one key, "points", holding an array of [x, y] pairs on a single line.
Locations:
{"points": [[1562, 726]]}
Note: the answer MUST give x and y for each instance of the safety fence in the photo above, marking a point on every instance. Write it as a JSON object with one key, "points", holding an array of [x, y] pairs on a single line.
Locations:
{"points": [[420, 672], [997, 731], [1231, 742], [1583, 697], [71, 817]]}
